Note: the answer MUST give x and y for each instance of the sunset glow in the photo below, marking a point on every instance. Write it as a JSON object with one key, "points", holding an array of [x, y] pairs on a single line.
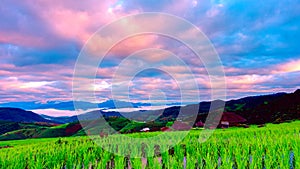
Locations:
{"points": [[39, 48]]}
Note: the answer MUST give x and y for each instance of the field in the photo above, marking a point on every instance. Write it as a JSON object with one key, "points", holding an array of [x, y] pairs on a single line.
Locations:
{"points": [[272, 146]]}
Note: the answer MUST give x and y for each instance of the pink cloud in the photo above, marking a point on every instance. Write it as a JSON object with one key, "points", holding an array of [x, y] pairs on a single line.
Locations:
{"points": [[291, 66], [77, 20], [42, 72], [181, 7], [62, 20], [136, 43], [36, 82], [22, 39]]}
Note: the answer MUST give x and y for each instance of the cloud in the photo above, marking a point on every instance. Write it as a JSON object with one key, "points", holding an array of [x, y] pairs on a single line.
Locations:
{"points": [[56, 113], [258, 44], [291, 66], [35, 83], [133, 44]]}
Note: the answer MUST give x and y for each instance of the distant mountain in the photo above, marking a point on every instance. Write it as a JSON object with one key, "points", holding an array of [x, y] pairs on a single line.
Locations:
{"points": [[69, 105], [19, 115], [273, 108], [92, 115], [112, 104], [61, 119], [21, 105], [255, 109]]}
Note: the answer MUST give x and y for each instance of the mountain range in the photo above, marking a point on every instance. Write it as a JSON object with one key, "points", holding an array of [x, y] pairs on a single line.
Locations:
{"points": [[20, 115], [69, 105], [274, 108]]}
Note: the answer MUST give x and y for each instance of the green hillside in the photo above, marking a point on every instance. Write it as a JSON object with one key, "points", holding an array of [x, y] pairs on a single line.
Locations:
{"points": [[25, 131]]}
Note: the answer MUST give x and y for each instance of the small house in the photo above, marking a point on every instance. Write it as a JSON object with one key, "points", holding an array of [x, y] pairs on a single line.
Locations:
{"points": [[165, 129], [231, 119], [145, 129], [199, 124]]}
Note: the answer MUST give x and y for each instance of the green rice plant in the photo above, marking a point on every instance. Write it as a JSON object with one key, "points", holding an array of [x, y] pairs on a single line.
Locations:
{"points": [[274, 146], [191, 161], [136, 163], [119, 162], [165, 159], [150, 162], [157, 163]]}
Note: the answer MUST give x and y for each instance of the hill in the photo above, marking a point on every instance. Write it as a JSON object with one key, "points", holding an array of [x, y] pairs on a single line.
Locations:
{"points": [[21, 124], [32, 130], [284, 108], [272, 108], [17, 130], [19, 115]]}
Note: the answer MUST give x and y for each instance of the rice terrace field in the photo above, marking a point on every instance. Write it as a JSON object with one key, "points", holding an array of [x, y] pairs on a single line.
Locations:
{"points": [[272, 146]]}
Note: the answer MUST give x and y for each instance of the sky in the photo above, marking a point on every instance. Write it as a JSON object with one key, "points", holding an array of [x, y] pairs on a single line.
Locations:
{"points": [[257, 42]]}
